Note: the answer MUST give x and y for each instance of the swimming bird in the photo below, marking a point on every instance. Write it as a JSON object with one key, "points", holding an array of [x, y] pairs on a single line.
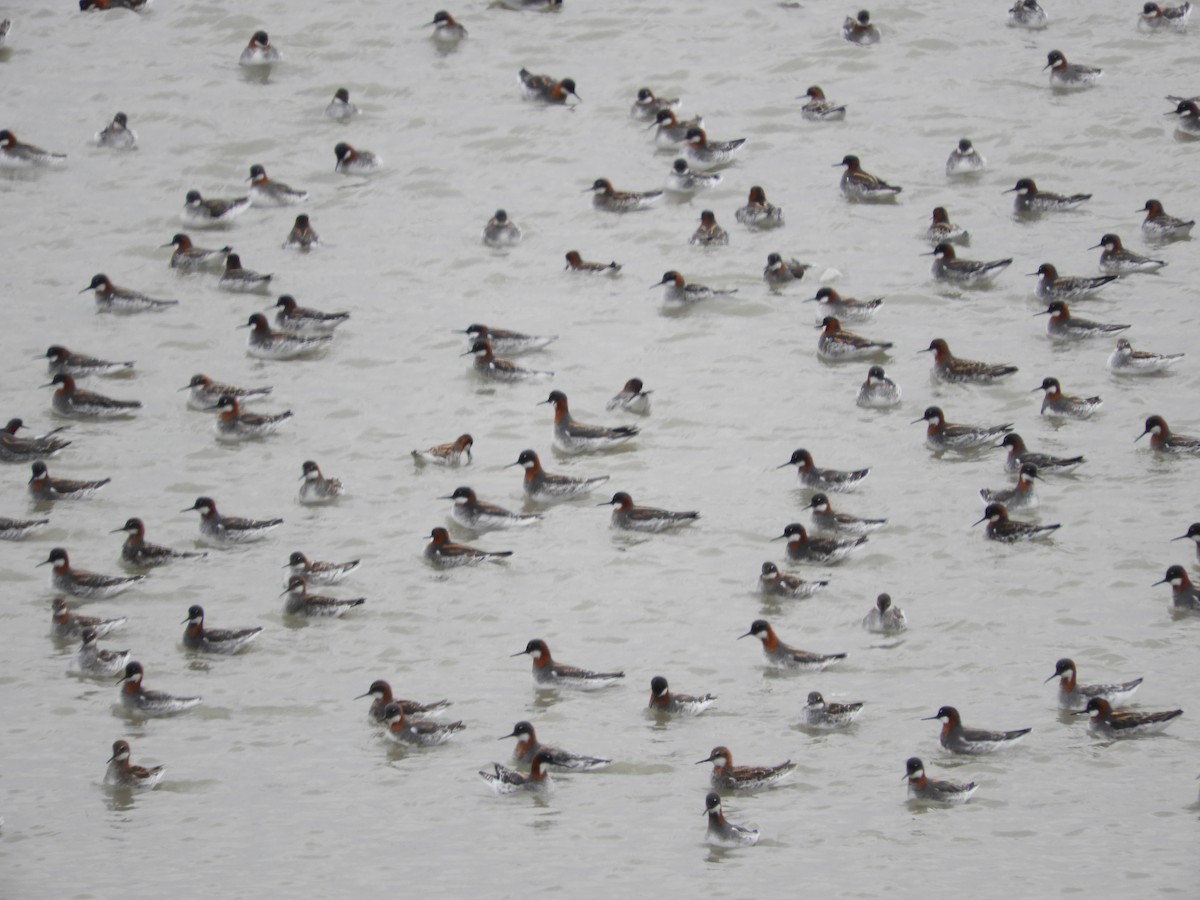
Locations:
{"points": [[972, 741]]}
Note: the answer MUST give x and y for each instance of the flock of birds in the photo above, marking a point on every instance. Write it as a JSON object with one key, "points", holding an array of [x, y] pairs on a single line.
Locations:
{"points": [[300, 332]]}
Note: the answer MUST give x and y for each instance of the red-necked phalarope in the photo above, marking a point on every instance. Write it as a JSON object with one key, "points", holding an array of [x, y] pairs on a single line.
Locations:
{"points": [[265, 192], [972, 741], [758, 212], [150, 703], [116, 135], [1123, 723], [728, 777], [682, 180], [648, 105], [1065, 327], [122, 773], [548, 673], [678, 292], [214, 640], [776, 584], [234, 425], [860, 29], [242, 281], [445, 553], [528, 746], [302, 236], [380, 693], [785, 656], [1155, 17], [631, 398], [447, 31], [1119, 261], [922, 787], [708, 232], [18, 449], [19, 529], [628, 517], [942, 230], [819, 109], [259, 51], [1163, 439], [68, 400], [111, 298], [14, 153], [204, 392], [721, 830], [663, 700], [578, 437], [965, 160], [1161, 227], [1193, 535], [452, 454], [827, 716], [319, 571], [1027, 14], [1124, 360], [783, 271], [817, 549], [669, 132], [940, 435], [824, 479], [43, 487], [493, 368], [265, 342], [189, 259], [1019, 454], [501, 231], [879, 391], [576, 263], [420, 733], [543, 487], [546, 88], [1188, 125], [837, 344], [713, 154], [885, 617], [340, 109], [504, 780], [827, 519], [92, 662], [967, 272], [1031, 200], [80, 365], [1052, 286], [858, 184], [1184, 595], [1022, 495], [211, 213], [1075, 696], [229, 529], [1001, 528], [351, 161], [479, 516], [301, 603], [509, 343], [316, 487], [951, 369], [1069, 76], [137, 551], [1056, 403], [66, 624], [606, 197], [845, 309], [305, 320]]}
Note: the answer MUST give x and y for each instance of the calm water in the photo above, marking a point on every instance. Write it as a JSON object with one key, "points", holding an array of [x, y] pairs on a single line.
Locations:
{"points": [[278, 784]]}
